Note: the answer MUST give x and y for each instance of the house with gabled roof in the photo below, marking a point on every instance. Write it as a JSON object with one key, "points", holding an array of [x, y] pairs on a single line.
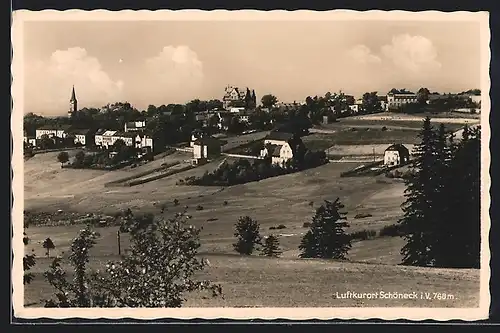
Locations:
{"points": [[206, 148], [277, 145], [396, 154], [82, 137], [60, 131]]}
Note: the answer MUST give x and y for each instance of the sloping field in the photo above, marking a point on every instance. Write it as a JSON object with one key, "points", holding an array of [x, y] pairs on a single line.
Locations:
{"points": [[265, 282], [290, 200]]}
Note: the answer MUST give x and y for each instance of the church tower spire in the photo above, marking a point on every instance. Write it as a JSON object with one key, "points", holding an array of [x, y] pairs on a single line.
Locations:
{"points": [[73, 103]]}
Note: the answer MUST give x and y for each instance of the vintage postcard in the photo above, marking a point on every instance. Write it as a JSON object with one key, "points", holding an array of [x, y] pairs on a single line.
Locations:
{"points": [[247, 164]]}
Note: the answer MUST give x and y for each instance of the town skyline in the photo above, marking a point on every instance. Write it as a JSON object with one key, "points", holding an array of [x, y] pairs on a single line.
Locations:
{"points": [[179, 63]]}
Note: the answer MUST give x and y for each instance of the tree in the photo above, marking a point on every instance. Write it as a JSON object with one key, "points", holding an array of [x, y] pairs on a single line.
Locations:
{"points": [[28, 262], [271, 247], [423, 95], [248, 235], [63, 157], [157, 271], [371, 103], [79, 157], [268, 101], [48, 245], [457, 238], [419, 218], [327, 237]]}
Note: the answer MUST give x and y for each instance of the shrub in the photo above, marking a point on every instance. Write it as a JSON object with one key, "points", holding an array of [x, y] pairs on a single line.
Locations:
{"points": [[272, 228], [248, 235], [306, 225], [176, 202], [384, 129], [363, 234], [199, 207], [391, 230], [281, 226], [225, 203], [362, 215], [311, 203]]}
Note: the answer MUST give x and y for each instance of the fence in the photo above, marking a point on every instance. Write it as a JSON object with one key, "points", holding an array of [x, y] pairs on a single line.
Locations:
{"points": [[163, 175], [242, 156], [360, 169], [121, 182]]}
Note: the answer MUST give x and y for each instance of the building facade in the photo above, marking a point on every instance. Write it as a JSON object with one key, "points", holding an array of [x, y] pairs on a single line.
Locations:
{"points": [[277, 146], [396, 154], [238, 97], [206, 148], [397, 99], [60, 131], [134, 126]]}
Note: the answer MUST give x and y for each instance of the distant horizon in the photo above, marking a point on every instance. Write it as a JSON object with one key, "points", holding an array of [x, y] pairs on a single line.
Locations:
{"points": [[109, 62], [80, 107]]}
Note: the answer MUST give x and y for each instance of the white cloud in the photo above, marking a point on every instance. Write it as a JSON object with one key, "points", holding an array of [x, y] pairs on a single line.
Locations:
{"points": [[363, 54], [416, 54], [48, 83], [177, 73]]}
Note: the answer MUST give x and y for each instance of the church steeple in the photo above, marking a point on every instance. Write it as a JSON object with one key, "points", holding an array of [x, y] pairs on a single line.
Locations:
{"points": [[73, 103]]}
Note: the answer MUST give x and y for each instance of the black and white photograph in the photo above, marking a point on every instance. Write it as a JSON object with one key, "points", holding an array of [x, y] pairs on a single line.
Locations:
{"points": [[251, 164]]}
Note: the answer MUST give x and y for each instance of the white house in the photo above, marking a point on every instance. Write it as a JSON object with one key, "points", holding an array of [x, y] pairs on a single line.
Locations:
{"points": [[277, 146], [29, 140], [60, 131], [82, 136], [206, 148], [144, 141], [476, 99], [103, 137], [133, 126], [237, 110], [354, 108], [396, 99], [396, 154]]}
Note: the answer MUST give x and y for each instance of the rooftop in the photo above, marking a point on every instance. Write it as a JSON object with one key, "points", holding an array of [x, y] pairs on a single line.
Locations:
{"points": [[279, 136]]}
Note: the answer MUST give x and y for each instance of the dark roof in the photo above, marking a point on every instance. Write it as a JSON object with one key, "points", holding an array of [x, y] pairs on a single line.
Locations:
{"points": [[125, 134], [100, 131], [399, 148], [83, 131], [206, 140], [282, 136], [382, 98]]}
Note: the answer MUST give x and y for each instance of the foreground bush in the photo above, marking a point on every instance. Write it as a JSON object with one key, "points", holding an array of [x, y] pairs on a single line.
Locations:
{"points": [[391, 230], [363, 234], [156, 272], [248, 235]]}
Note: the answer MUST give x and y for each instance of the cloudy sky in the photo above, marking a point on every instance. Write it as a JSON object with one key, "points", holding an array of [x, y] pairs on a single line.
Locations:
{"points": [[173, 62]]}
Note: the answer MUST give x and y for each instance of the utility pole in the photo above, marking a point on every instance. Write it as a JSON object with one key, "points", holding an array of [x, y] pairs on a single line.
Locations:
{"points": [[119, 243]]}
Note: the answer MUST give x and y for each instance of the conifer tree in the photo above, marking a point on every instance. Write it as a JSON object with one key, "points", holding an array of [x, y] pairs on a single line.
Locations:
{"points": [[461, 220], [271, 247], [418, 218], [327, 237]]}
